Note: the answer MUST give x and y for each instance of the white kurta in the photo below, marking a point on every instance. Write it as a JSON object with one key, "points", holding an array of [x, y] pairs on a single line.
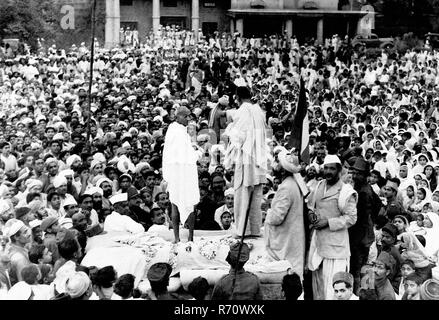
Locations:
{"points": [[180, 170]]}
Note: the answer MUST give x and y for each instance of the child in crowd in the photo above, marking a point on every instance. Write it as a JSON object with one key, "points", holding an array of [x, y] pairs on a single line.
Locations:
{"points": [[412, 283]]}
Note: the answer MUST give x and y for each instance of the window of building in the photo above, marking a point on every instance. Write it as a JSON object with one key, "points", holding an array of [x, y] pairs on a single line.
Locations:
{"points": [[126, 2], [209, 3], [257, 4], [173, 21], [169, 3], [129, 24], [310, 5]]}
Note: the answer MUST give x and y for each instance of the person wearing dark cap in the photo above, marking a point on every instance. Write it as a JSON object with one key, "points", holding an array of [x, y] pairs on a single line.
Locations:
{"points": [[389, 234], [361, 234], [158, 276], [136, 212], [394, 206], [343, 284], [103, 282], [79, 222], [198, 288], [50, 227], [382, 268], [24, 214], [124, 286], [292, 286], [247, 154], [238, 284]]}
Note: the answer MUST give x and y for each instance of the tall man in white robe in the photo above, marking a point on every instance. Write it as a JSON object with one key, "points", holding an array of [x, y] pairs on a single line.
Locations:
{"points": [[180, 172], [333, 209], [246, 154]]}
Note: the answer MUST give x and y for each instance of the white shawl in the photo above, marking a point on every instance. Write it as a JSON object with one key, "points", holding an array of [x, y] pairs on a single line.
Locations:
{"points": [[180, 170]]}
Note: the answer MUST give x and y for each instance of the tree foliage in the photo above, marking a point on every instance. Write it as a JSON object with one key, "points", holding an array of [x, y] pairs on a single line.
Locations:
{"points": [[28, 20]]}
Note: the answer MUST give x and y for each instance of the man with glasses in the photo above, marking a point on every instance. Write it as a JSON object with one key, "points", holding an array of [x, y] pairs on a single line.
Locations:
{"points": [[180, 172]]}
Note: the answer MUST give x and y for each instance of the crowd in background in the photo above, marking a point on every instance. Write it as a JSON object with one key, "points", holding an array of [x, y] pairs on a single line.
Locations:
{"points": [[69, 172]]}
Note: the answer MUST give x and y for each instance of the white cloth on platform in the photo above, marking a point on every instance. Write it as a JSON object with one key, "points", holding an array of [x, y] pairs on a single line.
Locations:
{"points": [[117, 222]]}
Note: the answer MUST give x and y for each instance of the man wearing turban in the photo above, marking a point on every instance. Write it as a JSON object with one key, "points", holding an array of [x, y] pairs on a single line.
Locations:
{"points": [[217, 119], [284, 226]]}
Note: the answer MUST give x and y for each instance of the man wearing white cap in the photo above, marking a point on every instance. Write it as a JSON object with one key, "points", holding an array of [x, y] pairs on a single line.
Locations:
{"points": [[106, 186], [118, 220], [52, 167], [20, 236], [284, 226], [78, 286], [180, 172], [60, 184], [332, 210], [227, 207]]}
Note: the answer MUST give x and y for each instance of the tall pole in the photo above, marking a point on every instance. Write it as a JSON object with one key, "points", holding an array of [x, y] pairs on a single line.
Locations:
{"points": [[349, 21], [92, 54]]}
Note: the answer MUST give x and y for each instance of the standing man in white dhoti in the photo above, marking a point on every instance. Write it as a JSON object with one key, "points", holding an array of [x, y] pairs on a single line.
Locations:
{"points": [[332, 210], [180, 172], [246, 154]]}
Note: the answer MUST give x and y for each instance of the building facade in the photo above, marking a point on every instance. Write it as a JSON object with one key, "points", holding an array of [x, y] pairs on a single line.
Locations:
{"points": [[305, 19], [147, 15]]}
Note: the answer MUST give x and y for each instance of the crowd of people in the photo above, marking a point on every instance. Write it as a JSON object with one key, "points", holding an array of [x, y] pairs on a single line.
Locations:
{"points": [[359, 221]]}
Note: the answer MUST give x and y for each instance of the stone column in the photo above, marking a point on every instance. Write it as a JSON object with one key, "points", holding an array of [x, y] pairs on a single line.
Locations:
{"points": [[195, 17], [232, 25], [112, 23], [320, 31], [360, 29], [289, 27], [240, 26], [155, 15]]}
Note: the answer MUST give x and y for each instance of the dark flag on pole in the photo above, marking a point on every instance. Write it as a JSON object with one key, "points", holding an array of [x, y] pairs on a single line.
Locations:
{"points": [[299, 137]]}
